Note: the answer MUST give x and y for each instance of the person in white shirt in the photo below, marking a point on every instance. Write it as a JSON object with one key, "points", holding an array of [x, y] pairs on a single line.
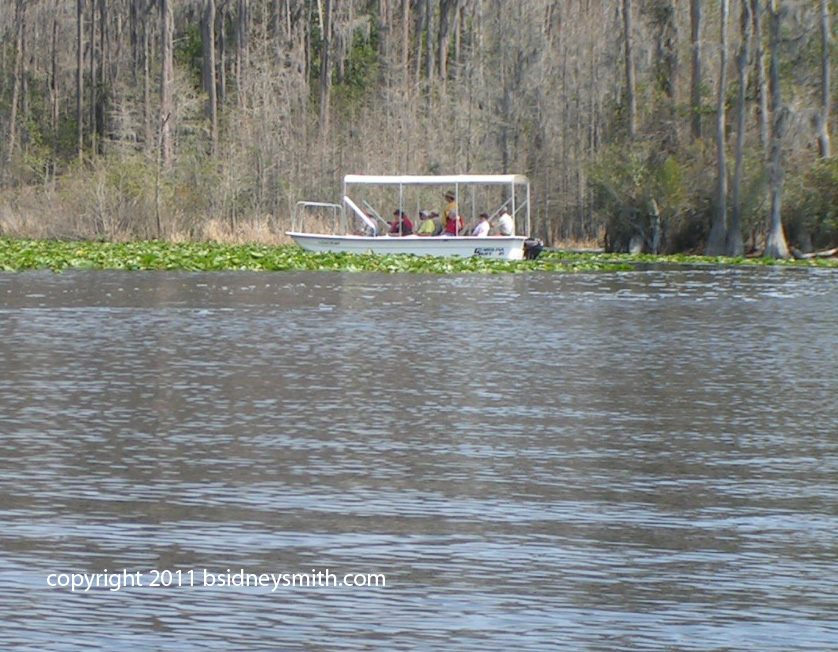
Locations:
{"points": [[506, 225], [482, 228]]}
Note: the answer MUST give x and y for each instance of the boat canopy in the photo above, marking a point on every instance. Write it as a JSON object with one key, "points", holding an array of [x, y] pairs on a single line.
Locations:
{"points": [[518, 189], [430, 180]]}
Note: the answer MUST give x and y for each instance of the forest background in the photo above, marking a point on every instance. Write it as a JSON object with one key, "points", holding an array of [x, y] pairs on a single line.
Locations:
{"points": [[653, 125]]}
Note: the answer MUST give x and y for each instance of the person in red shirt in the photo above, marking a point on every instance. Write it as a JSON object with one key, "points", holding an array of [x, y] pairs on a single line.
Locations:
{"points": [[455, 225], [402, 224]]}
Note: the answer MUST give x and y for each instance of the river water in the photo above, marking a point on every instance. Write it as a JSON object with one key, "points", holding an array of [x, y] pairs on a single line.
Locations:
{"points": [[633, 461]]}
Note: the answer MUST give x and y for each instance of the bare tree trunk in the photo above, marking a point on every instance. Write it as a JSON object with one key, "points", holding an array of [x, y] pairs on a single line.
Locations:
{"points": [[446, 8], [430, 65], [25, 96], [666, 47], [776, 246], [242, 51], [278, 23], [665, 29], [147, 109], [695, 82], [757, 11], [53, 74], [718, 232], [384, 37], [166, 81], [325, 68], [422, 10], [19, 71], [80, 77], [53, 95], [735, 245], [101, 81], [406, 46], [222, 53], [458, 40], [631, 101], [208, 50], [134, 22], [823, 118], [94, 57]]}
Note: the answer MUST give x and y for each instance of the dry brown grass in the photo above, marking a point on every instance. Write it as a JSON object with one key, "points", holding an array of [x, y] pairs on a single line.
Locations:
{"points": [[76, 211], [81, 209], [28, 213], [573, 244], [259, 231]]}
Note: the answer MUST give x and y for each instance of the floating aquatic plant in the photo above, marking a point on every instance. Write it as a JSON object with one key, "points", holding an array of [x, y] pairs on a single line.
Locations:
{"points": [[19, 255]]}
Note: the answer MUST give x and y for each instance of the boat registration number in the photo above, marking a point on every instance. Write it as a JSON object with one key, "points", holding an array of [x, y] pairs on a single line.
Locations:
{"points": [[488, 251]]}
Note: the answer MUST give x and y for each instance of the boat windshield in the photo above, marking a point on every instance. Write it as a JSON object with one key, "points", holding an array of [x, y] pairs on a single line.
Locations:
{"points": [[364, 218]]}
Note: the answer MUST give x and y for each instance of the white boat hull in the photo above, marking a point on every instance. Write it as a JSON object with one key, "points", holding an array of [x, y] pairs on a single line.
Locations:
{"points": [[495, 247]]}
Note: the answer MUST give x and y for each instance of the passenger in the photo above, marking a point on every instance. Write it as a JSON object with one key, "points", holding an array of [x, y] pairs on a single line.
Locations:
{"points": [[506, 225], [402, 224], [454, 226], [450, 207], [482, 228], [431, 224], [364, 227], [435, 216]]}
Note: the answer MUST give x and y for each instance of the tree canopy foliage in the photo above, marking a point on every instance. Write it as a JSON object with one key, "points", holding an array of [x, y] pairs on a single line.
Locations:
{"points": [[193, 118]]}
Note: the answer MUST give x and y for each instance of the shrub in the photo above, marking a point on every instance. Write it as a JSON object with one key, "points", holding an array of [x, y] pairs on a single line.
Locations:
{"points": [[635, 195], [811, 215]]}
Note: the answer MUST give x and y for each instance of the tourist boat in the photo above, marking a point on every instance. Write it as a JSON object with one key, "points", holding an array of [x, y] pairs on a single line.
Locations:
{"points": [[357, 230]]}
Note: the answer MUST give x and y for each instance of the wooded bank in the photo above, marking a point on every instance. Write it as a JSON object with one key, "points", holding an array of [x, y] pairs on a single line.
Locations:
{"points": [[652, 124]]}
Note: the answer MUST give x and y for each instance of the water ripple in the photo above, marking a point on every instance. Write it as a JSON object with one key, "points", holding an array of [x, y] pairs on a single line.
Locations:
{"points": [[632, 461]]}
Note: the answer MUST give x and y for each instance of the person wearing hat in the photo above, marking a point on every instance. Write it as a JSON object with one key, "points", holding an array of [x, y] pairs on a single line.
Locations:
{"points": [[430, 225], [402, 224], [450, 207]]}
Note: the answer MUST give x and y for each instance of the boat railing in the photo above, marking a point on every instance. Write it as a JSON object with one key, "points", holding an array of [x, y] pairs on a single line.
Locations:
{"points": [[374, 213], [363, 216], [300, 210]]}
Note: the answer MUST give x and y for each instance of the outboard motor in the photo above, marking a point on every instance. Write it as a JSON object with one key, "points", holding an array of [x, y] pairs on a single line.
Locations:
{"points": [[532, 248]]}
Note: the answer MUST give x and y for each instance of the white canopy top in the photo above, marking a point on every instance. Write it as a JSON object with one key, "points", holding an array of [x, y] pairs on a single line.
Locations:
{"points": [[428, 180]]}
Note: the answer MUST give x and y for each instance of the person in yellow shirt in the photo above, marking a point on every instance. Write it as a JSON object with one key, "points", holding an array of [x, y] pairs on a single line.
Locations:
{"points": [[431, 224], [450, 207]]}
